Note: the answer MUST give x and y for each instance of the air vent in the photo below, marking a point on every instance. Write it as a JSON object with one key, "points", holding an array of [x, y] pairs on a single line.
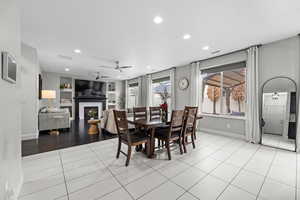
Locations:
{"points": [[105, 77], [65, 57]]}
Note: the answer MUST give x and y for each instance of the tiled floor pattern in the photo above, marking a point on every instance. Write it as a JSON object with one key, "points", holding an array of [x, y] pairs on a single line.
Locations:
{"points": [[278, 141], [219, 168]]}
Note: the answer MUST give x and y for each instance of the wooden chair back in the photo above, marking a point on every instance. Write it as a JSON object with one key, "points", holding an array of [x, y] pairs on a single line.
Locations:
{"points": [[121, 123], [190, 118], [139, 113], [176, 121], [155, 113]]}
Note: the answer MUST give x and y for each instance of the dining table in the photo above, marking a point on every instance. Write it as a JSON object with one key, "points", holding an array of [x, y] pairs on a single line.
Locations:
{"points": [[150, 126]]}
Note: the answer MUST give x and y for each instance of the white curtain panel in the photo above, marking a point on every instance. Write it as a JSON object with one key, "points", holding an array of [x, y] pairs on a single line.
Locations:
{"points": [[252, 106], [173, 88], [126, 94], [195, 84], [200, 89], [140, 97], [149, 90]]}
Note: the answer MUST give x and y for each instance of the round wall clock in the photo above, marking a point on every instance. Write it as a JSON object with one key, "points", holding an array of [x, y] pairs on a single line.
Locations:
{"points": [[183, 83]]}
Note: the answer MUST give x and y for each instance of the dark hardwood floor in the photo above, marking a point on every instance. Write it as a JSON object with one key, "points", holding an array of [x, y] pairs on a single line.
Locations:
{"points": [[77, 135]]}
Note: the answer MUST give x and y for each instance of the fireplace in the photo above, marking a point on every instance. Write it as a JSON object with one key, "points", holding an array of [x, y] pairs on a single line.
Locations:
{"points": [[83, 103], [91, 112], [85, 107]]}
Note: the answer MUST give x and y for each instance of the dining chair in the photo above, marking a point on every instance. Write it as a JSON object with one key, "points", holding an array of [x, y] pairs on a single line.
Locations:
{"points": [[172, 132], [134, 138], [189, 126], [186, 108], [139, 113], [155, 113]]}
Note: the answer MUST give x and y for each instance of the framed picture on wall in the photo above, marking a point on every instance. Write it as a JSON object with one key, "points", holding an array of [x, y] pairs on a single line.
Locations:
{"points": [[9, 68]]}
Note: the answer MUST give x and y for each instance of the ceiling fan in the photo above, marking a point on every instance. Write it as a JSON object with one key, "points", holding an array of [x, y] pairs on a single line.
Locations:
{"points": [[98, 76], [117, 67]]}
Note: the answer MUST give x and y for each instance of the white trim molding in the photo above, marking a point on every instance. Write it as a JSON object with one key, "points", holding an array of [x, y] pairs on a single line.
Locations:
{"points": [[30, 136], [223, 133]]}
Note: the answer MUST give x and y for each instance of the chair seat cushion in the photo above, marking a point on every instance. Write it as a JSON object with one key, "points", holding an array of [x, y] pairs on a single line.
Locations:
{"points": [[135, 136], [163, 133]]}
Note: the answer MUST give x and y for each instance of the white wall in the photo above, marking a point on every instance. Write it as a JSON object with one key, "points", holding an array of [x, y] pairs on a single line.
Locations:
{"points": [[10, 107], [51, 81], [29, 94], [183, 97], [280, 58]]}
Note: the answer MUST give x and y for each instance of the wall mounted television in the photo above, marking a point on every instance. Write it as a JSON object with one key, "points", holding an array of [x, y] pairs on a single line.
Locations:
{"points": [[86, 88], [9, 68]]}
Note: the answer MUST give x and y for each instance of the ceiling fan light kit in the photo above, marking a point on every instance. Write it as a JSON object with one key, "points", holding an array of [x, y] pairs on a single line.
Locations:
{"points": [[117, 67]]}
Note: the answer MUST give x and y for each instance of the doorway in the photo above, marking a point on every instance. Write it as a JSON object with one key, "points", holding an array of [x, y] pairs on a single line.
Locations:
{"points": [[278, 113]]}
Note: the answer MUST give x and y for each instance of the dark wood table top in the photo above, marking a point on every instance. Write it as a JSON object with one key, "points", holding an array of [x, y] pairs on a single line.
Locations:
{"points": [[146, 122], [150, 123]]}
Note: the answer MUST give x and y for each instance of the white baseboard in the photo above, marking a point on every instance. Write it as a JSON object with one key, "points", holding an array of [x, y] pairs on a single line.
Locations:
{"points": [[30, 136], [224, 133]]}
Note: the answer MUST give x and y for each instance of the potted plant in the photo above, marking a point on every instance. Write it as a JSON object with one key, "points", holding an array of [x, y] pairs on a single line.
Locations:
{"points": [[164, 95], [164, 109]]}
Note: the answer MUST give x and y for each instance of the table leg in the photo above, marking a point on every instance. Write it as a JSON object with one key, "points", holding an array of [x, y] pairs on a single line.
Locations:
{"points": [[152, 143]]}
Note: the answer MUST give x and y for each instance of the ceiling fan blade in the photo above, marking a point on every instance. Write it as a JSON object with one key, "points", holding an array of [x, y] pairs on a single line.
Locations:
{"points": [[106, 67], [126, 67]]}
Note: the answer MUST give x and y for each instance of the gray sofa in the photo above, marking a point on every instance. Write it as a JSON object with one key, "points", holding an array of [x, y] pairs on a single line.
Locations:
{"points": [[54, 120]]}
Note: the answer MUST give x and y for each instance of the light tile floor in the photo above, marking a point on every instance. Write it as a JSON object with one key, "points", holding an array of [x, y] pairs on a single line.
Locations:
{"points": [[278, 141], [219, 168]]}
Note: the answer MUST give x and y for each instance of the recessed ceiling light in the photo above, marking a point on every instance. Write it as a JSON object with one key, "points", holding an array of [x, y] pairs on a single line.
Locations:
{"points": [[118, 76], [158, 20], [67, 69], [186, 36], [77, 51], [148, 67], [205, 48]]}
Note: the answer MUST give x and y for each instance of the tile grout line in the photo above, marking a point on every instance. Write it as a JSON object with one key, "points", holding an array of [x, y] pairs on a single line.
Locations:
{"points": [[240, 147], [167, 179], [209, 173], [265, 177], [63, 171], [206, 173], [101, 161], [242, 168], [89, 147], [112, 175]]}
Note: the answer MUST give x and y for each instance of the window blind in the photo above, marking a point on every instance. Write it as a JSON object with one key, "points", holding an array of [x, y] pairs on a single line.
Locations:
{"points": [[222, 68], [158, 80], [133, 84]]}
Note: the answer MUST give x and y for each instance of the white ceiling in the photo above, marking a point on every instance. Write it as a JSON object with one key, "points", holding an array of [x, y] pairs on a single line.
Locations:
{"points": [[107, 30]]}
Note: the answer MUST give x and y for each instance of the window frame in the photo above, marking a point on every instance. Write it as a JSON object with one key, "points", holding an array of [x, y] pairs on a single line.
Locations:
{"points": [[129, 85], [158, 80], [222, 69]]}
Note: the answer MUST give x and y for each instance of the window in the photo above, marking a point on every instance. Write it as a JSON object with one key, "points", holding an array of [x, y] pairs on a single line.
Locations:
{"points": [[224, 90], [161, 91], [133, 90]]}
